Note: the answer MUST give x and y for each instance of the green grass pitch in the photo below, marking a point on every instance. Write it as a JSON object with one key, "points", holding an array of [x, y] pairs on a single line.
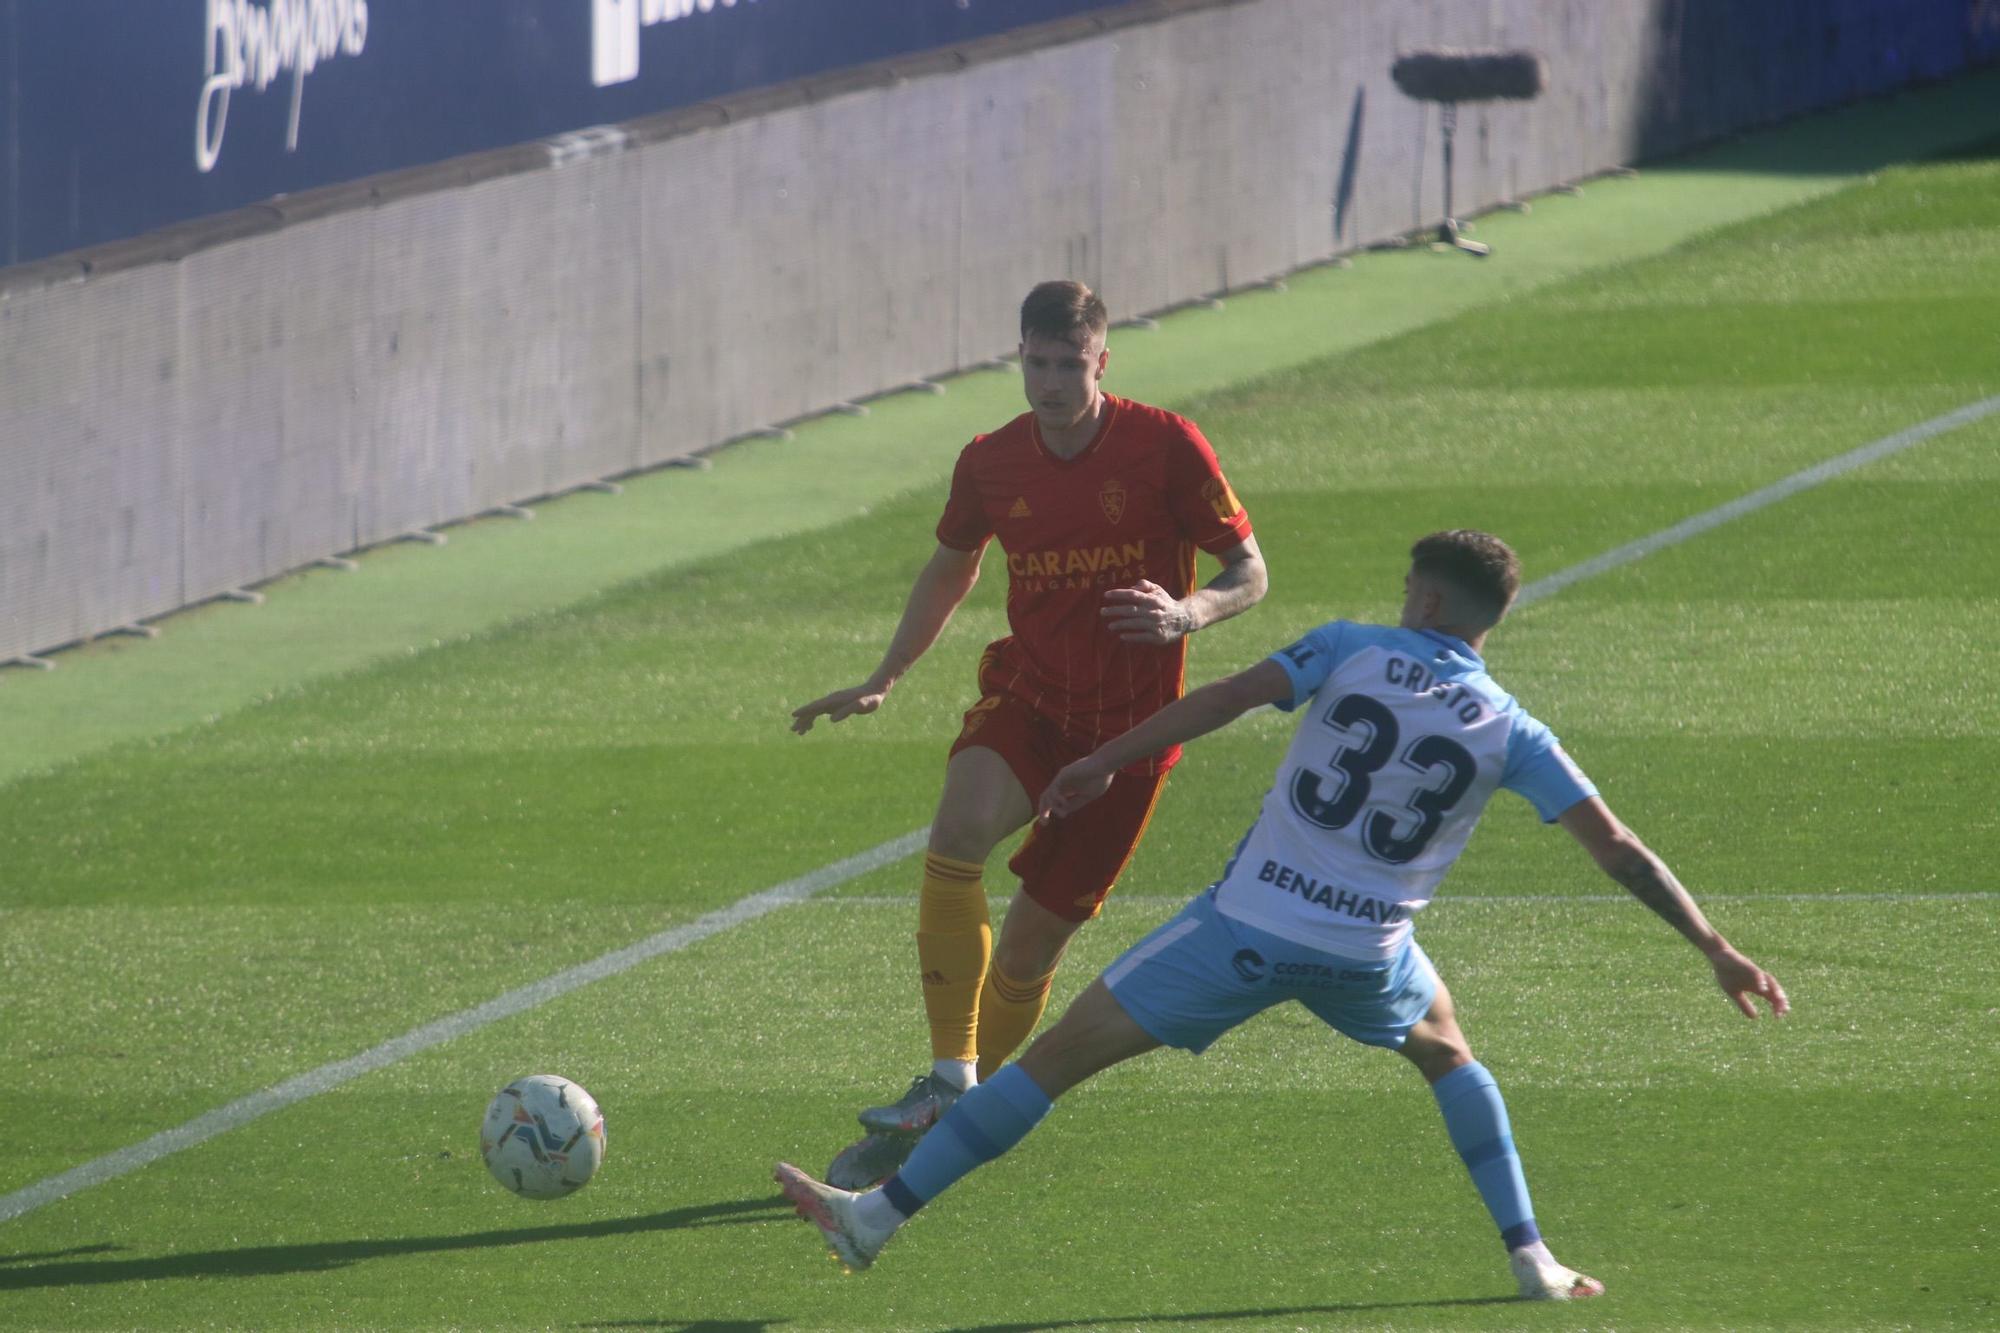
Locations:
{"points": [[1797, 709]]}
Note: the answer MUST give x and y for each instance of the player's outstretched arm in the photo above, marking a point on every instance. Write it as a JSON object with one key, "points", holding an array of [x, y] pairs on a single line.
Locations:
{"points": [[1147, 613], [1214, 705], [1619, 854], [940, 587]]}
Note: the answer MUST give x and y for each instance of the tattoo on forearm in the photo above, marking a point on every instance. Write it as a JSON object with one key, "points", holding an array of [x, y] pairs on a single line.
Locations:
{"points": [[1649, 880], [1232, 591]]}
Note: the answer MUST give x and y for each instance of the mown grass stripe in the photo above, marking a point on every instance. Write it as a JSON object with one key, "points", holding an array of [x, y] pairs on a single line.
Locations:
{"points": [[1784, 489], [329, 1076]]}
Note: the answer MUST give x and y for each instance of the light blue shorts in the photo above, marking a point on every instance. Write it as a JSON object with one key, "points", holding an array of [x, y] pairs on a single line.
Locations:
{"points": [[1203, 973]]}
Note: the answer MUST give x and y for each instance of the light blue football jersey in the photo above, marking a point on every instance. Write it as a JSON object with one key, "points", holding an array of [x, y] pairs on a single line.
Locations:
{"points": [[1402, 739]]}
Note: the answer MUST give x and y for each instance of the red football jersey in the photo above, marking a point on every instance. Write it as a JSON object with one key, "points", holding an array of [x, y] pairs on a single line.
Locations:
{"points": [[1134, 504]]}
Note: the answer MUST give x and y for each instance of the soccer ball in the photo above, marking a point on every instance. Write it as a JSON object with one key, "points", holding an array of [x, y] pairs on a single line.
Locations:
{"points": [[543, 1137]]}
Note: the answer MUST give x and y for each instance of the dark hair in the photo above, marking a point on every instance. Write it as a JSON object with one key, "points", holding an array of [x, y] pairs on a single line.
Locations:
{"points": [[1063, 309], [1477, 564]]}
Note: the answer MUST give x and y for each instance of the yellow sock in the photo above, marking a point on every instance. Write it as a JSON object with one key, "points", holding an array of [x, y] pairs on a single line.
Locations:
{"points": [[1008, 1012], [954, 942]]}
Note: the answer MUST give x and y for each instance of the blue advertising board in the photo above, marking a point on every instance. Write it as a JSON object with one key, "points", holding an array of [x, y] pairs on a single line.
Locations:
{"points": [[120, 116]]}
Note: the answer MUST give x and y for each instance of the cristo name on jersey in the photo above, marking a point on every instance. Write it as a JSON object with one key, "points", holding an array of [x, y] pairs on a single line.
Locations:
{"points": [[1403, 739]]}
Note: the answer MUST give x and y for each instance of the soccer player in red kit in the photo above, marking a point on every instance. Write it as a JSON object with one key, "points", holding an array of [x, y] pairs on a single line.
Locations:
{"points": [[1099, 504]]}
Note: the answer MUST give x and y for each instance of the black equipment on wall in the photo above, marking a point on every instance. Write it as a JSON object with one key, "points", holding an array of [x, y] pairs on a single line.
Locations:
{"points": [[1450, 77]]}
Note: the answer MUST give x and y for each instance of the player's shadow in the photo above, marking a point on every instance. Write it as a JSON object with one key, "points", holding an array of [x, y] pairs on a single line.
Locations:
{"points": [[1271, 1314], [45, 1255], [276, 1260], [693, 1325]]}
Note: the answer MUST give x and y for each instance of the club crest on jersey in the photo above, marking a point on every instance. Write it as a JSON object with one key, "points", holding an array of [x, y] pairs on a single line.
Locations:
{"points": [[1112, 497]]}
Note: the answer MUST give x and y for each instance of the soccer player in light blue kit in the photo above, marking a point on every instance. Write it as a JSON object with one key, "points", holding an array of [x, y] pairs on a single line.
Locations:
{"points": [[1403, 738]]}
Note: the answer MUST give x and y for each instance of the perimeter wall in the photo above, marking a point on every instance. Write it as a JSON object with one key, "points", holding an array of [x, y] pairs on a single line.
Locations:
{"points": [[208, 405]]}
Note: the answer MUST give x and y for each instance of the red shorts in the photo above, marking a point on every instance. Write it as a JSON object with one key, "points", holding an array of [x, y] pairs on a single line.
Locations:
{"points": [[1067, 865]]}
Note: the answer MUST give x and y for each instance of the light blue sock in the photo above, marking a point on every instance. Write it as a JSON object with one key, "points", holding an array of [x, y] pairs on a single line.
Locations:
{"points": [[1476, 1118], [981, 1125]]}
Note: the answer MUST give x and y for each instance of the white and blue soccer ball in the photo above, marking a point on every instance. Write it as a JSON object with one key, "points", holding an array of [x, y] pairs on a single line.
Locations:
{"points": [[543, 1137]]}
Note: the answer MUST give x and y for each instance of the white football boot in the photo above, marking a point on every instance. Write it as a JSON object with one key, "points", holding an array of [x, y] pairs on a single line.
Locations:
{"points": [[1541, 1278], [853, 1242]]}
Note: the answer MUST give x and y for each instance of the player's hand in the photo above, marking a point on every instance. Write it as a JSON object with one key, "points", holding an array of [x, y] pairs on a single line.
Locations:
{"points": [[1071, 789], [1146, 613], [1740, 979], [839, 706]]}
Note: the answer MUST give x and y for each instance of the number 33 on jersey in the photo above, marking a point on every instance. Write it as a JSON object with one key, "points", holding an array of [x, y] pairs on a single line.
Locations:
{"points": [[1403, 738]]}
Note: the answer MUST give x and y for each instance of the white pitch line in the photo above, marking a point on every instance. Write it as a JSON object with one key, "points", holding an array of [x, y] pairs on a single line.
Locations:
{"points": [[245, 1109], [1759, 499]]}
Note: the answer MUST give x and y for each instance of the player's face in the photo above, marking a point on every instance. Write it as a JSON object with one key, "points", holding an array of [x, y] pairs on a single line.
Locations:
{"points": [[1061, 377]]}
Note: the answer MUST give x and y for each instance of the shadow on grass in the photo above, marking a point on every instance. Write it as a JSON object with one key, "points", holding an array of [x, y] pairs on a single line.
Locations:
{"points": [[693, 1325], [1945, 121], [1197, 1317], [1191, 1318], [274, 1260], [46, 1255], [1985, 150], [1845, 88]]}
